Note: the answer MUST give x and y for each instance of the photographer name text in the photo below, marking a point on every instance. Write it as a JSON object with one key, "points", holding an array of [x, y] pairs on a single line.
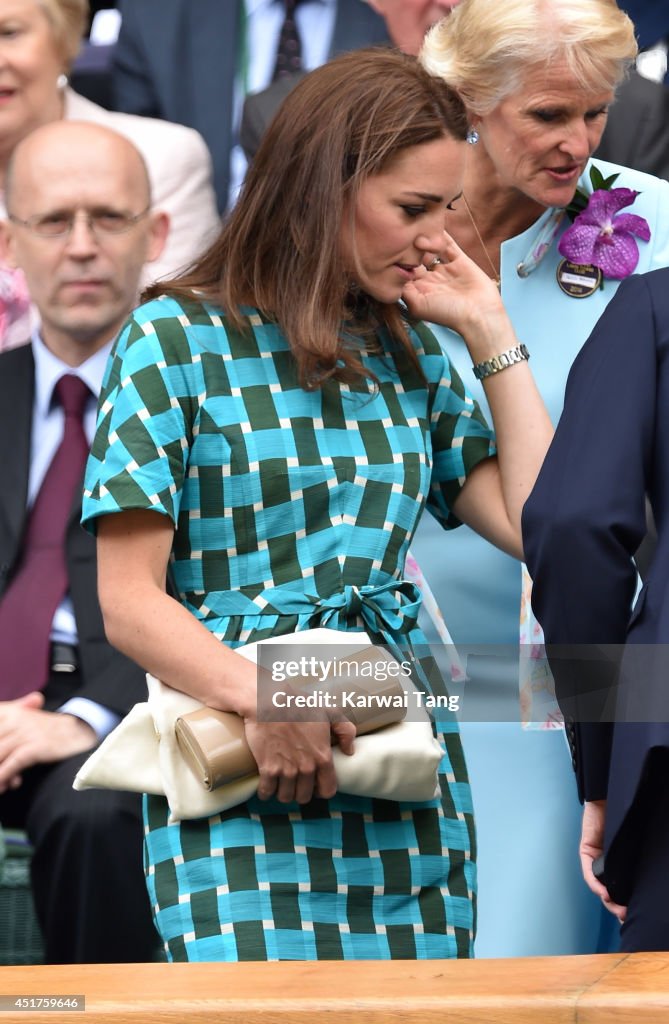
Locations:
{"points": [[351, 699]]}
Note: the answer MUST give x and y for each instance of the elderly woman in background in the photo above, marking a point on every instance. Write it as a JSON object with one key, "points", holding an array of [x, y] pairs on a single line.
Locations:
{"points": [[537, 77], [39, 39]]}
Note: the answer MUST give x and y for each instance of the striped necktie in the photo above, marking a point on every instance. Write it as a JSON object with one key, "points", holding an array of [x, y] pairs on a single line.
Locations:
{"points": [[289, 49]]}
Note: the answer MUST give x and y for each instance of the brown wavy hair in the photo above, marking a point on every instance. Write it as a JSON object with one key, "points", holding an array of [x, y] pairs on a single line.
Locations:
{"points": [[279, 248]]}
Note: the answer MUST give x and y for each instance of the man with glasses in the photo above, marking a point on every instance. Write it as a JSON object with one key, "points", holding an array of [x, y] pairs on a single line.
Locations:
{"points": [[81, 227]]}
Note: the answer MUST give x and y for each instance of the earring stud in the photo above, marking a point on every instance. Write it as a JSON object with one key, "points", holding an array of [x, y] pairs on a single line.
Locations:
{"points": [[472, 136]]}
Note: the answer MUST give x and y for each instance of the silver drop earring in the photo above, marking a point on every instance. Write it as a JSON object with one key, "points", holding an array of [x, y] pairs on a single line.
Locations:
{"points": [[472, 136]]}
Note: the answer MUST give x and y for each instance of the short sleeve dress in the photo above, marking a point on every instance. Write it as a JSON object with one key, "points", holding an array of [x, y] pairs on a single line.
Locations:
{"points": [[294, 509]]}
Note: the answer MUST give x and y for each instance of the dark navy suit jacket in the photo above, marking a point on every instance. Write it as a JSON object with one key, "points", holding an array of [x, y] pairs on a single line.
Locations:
{"points": [[637, 128], [582, 525], [177, 59]]}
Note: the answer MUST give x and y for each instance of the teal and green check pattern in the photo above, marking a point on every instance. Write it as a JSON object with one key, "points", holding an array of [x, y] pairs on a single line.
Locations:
{"points": [[294, 509]]}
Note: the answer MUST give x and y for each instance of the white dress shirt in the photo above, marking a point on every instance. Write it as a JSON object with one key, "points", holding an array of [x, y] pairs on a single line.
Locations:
{"points": [[315, 20]]}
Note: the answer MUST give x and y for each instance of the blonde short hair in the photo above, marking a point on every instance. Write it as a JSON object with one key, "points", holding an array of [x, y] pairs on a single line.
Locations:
{"points": [[68, 19], [484, 48]]}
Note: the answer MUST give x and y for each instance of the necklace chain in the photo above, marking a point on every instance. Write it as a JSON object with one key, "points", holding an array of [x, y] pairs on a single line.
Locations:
{"points": [[495, 275]]}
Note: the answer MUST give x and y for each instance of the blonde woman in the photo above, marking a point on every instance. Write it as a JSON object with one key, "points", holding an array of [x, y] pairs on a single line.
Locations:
{"points": [[537, 78]]}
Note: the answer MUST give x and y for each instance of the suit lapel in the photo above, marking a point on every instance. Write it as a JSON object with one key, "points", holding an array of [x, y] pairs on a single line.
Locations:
{"points": [[17, 386], [214, 32]]}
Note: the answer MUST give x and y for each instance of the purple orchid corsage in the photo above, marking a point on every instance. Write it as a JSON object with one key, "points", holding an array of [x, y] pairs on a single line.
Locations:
{"points": [[600, 234]]}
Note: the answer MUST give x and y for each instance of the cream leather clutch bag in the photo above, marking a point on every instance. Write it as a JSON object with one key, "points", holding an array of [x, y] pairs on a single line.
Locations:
{"points": [[214, 743], [396, 762]]}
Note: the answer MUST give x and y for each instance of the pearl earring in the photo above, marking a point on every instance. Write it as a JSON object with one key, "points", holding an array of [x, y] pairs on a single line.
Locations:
{"points": [[62, 82], [472, 136]]}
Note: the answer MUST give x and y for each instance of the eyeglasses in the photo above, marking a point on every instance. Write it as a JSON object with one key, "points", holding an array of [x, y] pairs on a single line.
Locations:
{"points": [[59, 225]]}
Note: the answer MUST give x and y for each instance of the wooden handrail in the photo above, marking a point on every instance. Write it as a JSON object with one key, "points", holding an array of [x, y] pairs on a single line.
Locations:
{"points": [[612, 989]]}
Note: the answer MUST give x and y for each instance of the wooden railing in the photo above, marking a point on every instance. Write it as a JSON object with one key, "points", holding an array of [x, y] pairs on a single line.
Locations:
{"points": [[614, 989]]}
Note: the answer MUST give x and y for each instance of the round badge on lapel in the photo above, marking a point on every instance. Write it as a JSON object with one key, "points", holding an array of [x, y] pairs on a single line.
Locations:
{"points": [[578, 280]]}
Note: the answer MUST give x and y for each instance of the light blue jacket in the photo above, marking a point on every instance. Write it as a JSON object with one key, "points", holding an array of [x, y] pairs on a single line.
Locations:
{"points": [[477, 586]]}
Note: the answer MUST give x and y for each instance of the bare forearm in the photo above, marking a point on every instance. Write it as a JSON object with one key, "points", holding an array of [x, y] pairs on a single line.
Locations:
{"points": [[154, 629], [460, 296], [168, 641], [492, 500], [523, 433]]}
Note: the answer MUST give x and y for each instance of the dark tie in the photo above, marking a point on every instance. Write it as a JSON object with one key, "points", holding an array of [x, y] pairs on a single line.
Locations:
{"points": [[30, 602], [289, 49]]}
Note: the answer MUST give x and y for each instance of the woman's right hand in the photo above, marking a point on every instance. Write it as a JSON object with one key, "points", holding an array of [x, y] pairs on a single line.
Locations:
{"points": [[295, 758]]}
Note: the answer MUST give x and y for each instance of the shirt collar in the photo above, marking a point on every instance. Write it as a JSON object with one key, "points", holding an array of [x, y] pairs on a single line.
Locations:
{"points": [[253, 6], [49, 369]]}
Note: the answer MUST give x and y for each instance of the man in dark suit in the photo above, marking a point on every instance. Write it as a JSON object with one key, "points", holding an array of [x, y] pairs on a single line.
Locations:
{"points": [[637, 128], [187, 62], [582, 524], [81, 228], [406, 22]]}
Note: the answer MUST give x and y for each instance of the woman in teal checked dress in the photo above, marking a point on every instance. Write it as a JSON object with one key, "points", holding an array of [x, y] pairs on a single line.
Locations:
{"points": [[271, 426]]}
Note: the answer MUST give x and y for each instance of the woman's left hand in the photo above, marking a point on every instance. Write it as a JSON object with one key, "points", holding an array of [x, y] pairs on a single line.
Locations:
{"points": [[455, 292], [590, 848], [459, 295]]}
